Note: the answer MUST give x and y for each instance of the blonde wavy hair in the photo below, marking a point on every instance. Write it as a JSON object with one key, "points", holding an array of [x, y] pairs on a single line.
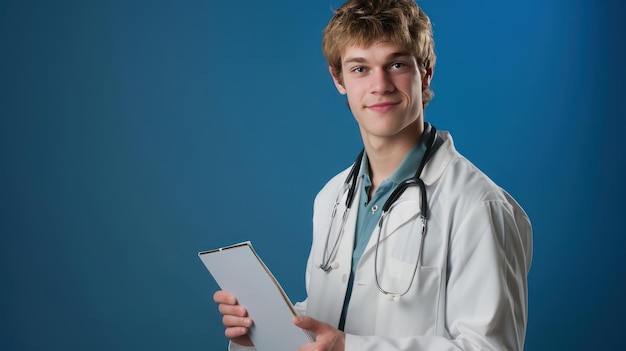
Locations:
{"points": [[365, 22]]}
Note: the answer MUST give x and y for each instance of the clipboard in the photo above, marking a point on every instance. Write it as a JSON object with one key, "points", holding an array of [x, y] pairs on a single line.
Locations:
{"points": [[239, 270]]}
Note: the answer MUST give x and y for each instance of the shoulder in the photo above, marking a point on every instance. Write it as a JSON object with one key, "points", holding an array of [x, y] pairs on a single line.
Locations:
{"points": [[455, 174], [471, 197], [463, 186]]}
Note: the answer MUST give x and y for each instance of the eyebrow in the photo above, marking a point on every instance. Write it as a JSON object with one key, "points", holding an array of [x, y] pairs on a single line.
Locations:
{"points": [[390, 57]]}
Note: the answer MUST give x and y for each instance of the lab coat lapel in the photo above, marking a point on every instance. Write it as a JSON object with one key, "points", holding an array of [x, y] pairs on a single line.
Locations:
{"points": [[410, 209], [406, 208]]}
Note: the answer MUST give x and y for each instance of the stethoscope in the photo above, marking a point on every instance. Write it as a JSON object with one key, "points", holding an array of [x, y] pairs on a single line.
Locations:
{"points": [[350, 186]]}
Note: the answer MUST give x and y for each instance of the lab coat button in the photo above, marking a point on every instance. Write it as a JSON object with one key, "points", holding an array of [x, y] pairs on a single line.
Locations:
{"points": [[344, 278]]}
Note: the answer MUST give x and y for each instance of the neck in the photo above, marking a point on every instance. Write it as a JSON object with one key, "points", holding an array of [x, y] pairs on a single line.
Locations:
{"points": [[386, 154]]}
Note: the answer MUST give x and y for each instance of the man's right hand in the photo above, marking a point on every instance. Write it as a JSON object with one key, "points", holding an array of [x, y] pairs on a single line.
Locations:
{"points": [[235, 318]]}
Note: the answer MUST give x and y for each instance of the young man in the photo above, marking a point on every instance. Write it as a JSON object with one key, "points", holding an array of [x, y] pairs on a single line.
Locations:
{"points": [[435, 262]]}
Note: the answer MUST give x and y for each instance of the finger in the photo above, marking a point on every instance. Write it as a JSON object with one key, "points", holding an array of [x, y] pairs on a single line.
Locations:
{"points": [[308, 323], [224, 297], [235, 332], [234, 310], [234, 321], [239, 334]]}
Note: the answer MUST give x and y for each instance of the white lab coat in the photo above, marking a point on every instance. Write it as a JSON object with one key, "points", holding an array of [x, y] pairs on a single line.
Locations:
{"points": [[470, 289]]}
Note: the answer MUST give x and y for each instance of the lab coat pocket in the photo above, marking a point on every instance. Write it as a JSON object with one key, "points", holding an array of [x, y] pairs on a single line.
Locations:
{"points": [[399, 277], [414, 313], [400, 270]]}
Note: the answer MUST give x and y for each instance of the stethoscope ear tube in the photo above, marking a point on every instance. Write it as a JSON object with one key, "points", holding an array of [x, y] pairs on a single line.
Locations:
{"points": [[431, 132], [352, 178]]}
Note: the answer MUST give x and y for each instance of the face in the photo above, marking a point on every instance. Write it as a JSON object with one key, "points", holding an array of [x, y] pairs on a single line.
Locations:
{"points": [[384, 89]]}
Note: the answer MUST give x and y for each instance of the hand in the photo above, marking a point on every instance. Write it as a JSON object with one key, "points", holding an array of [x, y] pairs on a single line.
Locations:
{"points": [[327, 338], [235, 318]]}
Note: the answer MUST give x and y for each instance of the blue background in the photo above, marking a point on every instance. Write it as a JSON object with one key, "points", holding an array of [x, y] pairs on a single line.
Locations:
{"points": [[134, 134]]}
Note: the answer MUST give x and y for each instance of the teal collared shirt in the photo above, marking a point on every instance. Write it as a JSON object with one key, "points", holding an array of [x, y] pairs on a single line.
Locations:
{"points": [[369, 210]]}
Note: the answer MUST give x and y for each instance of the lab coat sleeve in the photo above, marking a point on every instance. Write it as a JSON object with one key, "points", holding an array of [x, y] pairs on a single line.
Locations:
{"points": [[486, 304]]}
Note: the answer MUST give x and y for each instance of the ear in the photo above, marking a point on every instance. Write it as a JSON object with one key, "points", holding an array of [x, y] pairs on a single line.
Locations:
{"points": [[428, 76], [337, 81]]}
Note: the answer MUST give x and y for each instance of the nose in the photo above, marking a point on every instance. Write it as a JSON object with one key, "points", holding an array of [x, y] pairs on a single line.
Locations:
{"points": [[380, 82]]}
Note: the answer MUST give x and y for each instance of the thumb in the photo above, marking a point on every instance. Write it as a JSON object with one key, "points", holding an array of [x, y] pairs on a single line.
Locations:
{"points": [[308, 323]]}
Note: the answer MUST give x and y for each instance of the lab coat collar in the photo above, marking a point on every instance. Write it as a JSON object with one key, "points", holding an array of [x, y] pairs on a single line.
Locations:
{"points": [[433, 170], [440, 159]]}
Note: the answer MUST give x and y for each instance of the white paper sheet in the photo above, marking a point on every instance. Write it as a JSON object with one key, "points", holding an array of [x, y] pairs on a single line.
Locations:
{"points": [[240, 271]]}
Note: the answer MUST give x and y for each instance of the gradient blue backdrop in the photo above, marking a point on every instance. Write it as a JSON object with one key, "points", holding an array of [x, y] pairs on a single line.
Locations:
{"points": [[134, 134]]}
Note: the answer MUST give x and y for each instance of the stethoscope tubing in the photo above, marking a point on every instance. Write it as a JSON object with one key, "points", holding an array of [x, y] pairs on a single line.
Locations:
{"points": [[350, 186]]}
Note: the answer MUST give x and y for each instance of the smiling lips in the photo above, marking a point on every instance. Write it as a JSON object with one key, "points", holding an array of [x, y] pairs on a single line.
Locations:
{"points": [[382, 107]]}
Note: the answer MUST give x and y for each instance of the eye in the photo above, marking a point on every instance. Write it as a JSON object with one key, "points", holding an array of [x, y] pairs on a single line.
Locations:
{"points": [[358, 69], [397, 65]]}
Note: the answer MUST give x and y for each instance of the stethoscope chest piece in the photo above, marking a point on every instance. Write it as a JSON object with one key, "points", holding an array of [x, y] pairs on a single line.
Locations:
{"points": [[393, 297]]}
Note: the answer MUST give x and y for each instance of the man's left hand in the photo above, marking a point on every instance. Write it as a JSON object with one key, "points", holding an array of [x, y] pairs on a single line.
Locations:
{"points": [[327, 338]]}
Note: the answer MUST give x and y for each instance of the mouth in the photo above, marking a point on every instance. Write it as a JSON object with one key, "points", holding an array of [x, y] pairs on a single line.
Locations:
{"points": [[382, 106]]}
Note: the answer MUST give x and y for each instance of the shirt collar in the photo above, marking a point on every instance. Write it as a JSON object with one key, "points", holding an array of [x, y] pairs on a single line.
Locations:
{"points": [[407, 168]]}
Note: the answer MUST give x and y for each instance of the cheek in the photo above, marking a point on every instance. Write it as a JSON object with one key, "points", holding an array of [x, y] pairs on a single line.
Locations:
{"points": [[353, 103], [416, 91], [354, 94]]}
